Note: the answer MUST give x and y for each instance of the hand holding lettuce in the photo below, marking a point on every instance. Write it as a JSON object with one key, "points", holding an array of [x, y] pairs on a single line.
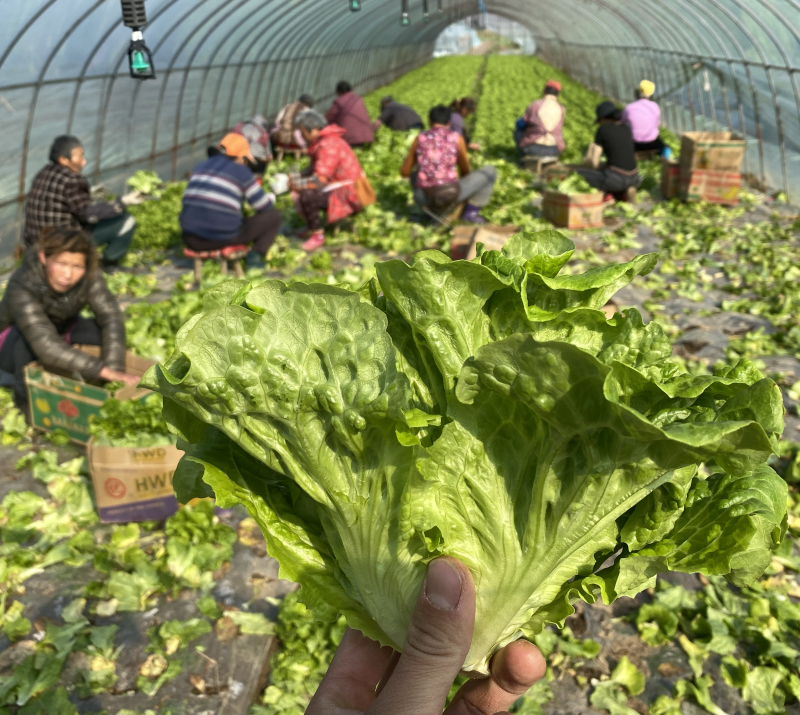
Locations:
{"points": [[484, 410]]}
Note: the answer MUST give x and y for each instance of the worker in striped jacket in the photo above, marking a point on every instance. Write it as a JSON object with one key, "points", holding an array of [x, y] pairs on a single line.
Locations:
{"points": [[212, 217]]}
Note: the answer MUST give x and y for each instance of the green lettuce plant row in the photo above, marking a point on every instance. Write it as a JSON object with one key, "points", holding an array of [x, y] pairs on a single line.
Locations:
{"points": [[486, 410]]}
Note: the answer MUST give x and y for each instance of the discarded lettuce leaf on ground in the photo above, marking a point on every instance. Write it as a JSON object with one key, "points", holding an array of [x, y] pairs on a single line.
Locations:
{"points": [[485, 410], [131, 423], [573, 184]]}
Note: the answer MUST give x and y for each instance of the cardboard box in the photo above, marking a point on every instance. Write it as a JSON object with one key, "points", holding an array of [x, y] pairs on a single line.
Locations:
{"points": [[63, 402], [717, 187], [133, 483], [464, 243], [711, 151], [573, 210], [670, 178]]}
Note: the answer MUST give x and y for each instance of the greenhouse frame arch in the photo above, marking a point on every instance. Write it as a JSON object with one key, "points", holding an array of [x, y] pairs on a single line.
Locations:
{"points": [[718, 65]]}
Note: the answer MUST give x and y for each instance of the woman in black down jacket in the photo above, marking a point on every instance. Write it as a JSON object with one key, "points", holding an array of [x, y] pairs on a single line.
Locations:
{"points": [[40, 314]]}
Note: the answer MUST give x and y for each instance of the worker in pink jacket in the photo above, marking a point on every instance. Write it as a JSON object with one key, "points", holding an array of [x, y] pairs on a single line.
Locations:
{"points": [[644, 119], [540, 133], [350, 113]]}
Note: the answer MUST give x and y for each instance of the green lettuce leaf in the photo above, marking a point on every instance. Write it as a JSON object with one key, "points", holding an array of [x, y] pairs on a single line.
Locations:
{"points": [[320, 406], [485, 410]]}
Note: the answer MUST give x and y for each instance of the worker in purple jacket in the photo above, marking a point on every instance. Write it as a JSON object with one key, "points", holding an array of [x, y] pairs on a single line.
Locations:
{"points": [[350, 113], [644, 119]]}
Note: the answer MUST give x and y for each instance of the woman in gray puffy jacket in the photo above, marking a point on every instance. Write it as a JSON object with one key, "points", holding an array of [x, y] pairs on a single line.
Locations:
{"points": [[40, 314]]}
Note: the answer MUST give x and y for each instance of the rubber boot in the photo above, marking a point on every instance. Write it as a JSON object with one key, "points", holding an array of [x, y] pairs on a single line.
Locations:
{"points": [[472, 214], [316, 240], [253, 260]]}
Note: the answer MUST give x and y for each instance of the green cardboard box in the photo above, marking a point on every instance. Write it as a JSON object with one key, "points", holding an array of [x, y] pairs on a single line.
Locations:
{"points": [[63, 402]]}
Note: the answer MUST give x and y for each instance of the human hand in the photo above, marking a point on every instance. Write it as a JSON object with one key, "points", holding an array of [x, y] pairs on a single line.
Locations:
{"points": [[474, 146], [365, 678], [134, 198], [280, 184], [116, 376]]}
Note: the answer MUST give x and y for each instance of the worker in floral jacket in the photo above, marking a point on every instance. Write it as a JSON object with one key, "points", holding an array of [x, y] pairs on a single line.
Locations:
{"points": [[331, 182]]}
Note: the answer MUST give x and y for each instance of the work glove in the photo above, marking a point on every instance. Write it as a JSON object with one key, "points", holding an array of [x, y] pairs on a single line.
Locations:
{"points": [[280, 183], [134, 198]]}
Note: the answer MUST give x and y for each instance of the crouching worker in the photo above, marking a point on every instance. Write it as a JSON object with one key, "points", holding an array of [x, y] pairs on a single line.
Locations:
{"points": [[284, 134], [644, 119], [61, 197], [439, 155], [255, 131], [397, 117], [614, 140], [40, 314], [212, 217], [540, 133], [333, 182]]}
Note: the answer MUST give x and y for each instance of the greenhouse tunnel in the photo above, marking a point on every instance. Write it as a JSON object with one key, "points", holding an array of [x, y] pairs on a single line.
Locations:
{"points": [[718, 65]]}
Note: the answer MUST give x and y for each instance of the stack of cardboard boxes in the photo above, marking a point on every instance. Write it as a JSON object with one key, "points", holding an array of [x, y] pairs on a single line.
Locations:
{"points": [[709, 168], [130, 483]]}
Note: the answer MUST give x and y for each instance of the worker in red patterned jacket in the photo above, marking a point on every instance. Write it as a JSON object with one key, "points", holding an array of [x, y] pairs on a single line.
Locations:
{"points": [[60, 197], [329, 182]]}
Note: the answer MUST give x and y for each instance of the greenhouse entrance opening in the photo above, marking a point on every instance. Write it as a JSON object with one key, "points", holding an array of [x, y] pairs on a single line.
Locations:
{"points": [[485, 33]]}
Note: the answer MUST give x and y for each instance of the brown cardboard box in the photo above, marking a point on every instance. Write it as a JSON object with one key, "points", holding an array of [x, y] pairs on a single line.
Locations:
{"points": [[558, 171], [493, 238], [718, 187], [133, 483], [464, 243], [711, 151], [63, 402], [573, 210], [670, 177]]}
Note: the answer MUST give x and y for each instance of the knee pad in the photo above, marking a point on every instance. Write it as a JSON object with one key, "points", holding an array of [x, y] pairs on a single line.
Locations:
{"points": [[129, 225]]}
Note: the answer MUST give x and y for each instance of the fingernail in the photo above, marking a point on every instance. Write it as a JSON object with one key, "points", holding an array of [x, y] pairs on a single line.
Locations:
{"points": [[443, 585]]}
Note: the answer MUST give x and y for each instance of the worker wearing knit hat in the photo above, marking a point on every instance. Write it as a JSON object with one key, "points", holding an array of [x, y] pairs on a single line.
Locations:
{"points": [[646, 88], [644, 119], [540, 132]]}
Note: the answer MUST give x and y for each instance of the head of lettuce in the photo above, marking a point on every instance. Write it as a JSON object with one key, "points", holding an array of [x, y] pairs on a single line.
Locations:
{"points": [[485, 410]]}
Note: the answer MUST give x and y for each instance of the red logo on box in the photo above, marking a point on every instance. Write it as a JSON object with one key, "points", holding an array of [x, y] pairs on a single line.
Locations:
{"points": [[115, 488], [68, 409]]}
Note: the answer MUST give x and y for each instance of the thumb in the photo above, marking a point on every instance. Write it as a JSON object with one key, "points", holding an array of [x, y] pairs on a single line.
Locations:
{"points": [[436, 645]]}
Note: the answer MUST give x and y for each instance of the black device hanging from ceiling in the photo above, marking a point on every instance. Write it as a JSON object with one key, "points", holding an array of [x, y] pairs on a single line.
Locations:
{"points": [[140, 59], [425, 10], [404, 21]]}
